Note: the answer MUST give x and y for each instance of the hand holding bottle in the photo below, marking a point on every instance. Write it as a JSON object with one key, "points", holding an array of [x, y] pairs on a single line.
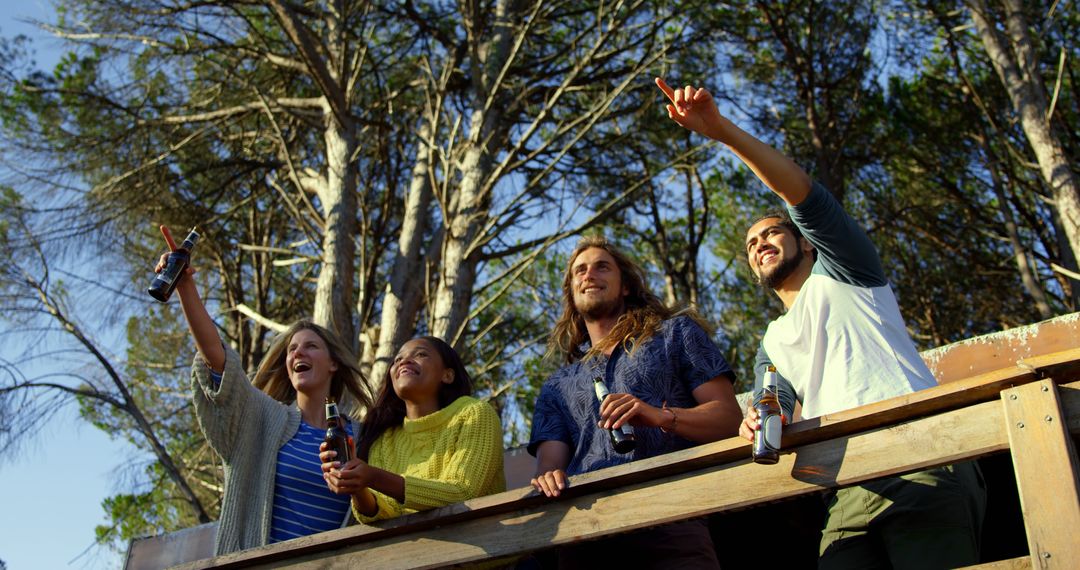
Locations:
{"points": [[752, 421], [344, 477], [173, 266], [622, 437]]}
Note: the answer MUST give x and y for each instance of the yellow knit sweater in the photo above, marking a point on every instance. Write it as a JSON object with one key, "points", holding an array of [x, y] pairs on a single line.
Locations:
{"points": [[446, 457]]}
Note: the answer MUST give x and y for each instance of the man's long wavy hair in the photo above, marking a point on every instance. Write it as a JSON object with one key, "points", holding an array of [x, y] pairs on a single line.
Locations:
{"points": [[642, 316], [272, 376]]}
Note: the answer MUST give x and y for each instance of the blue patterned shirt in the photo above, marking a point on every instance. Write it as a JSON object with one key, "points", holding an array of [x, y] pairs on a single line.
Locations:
{"points": [[667, 367]]}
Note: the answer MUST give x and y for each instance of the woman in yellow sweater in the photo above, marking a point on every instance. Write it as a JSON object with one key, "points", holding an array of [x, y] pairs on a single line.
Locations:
{"points": [[427, 443]]}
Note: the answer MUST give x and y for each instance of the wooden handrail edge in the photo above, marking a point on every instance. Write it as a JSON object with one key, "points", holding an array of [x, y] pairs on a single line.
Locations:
{"points": [[875, 453], [1060, 367]]}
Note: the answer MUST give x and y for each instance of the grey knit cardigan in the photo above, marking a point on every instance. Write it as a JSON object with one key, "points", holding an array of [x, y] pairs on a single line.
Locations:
{"points": [[246, 427]]}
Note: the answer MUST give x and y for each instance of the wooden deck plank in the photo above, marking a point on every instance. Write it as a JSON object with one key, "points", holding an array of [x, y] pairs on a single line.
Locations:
{"points": [[986, 353], [1064, 365], [1046, 473], [1022, 563], [729, 451], [945, 438]]}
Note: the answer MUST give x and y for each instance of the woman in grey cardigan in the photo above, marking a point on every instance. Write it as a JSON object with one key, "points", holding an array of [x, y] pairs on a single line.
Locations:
{"points": [[267, 431]]}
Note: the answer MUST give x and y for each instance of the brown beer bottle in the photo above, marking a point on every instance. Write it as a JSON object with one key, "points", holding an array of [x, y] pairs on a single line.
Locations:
{"points": [[622, 439], [770, 421], [165, 282], [337, 439]]}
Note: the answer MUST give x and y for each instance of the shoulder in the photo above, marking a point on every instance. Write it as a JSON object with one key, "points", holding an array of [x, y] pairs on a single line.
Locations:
{"points": [[469, 405], [685, 330], [681, 323], [561, 378], [475, 416], [468, 409]]}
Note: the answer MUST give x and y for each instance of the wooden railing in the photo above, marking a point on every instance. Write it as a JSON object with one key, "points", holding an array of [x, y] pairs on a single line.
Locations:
{"points": [[1015, 392]]}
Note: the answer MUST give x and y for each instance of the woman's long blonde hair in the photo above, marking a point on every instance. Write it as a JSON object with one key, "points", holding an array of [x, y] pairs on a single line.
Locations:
{"points": [[272, 376], [644, 311]]}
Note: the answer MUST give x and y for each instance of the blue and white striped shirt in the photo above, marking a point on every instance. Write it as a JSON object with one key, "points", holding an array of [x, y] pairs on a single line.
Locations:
{"points": [[303, 504]]}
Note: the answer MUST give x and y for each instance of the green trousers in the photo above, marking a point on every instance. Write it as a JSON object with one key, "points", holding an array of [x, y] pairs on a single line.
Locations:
{"points": [[924, 520]]}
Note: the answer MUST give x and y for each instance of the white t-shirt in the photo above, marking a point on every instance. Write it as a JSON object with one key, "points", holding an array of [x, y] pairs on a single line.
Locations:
{"points": [[843, 342]]}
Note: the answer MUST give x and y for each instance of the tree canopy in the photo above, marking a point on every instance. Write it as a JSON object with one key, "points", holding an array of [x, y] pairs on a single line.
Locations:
{"points": [[402, 168]]}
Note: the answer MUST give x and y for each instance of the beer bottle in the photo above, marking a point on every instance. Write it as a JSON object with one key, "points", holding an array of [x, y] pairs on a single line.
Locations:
{"points": [[622, 439], [770, 421], [337, 439], [165, 282]]}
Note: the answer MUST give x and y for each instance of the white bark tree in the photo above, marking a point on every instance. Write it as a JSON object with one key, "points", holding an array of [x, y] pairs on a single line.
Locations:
{"points": [[1013, 55]]}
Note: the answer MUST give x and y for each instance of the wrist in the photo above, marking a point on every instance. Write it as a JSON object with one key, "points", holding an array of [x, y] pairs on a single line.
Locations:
{"points": [[669, 419], [723, 130], [185, 285], [364, 503]]}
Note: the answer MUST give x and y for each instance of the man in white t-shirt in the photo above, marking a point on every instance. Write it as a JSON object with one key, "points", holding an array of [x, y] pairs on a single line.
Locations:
{"points": [[842, 343]]}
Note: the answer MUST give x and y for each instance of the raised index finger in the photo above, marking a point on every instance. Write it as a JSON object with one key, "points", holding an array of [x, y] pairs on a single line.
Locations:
{"points": [[168, 237], [668, 91]]}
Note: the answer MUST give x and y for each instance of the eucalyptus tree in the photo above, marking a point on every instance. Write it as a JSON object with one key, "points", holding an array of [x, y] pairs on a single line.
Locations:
{"points": [[276, 103], [221, 115], [976, 202], [522, 100], [1013, 35]]}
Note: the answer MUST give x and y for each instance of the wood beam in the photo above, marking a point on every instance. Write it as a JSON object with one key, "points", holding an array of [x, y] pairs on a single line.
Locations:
{"points": [[945, 438], [1046, 473]]}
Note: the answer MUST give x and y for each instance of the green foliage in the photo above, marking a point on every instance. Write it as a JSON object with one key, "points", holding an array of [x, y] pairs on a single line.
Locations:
{"points": [[506, 354], [171, 118], [158, 377]]}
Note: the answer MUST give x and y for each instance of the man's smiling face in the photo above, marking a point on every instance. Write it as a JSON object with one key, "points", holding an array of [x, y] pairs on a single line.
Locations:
{"points": [[773, 251], [597, 284]]}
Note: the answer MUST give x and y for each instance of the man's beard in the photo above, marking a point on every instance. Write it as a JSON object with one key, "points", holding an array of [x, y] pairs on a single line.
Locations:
{"points": [[783, 270], [601, 309]]}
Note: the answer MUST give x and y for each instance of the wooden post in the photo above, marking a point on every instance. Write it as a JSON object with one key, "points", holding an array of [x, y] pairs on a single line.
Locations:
{"points": [[1046, 473]]}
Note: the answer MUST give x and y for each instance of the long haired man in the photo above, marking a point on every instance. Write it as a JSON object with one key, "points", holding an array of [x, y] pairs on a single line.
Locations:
{"points": [[666, 379]]}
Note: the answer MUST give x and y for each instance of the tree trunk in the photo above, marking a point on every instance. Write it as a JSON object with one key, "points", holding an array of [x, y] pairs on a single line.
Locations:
{"points": [[468, 211], [334, 291], [404, 291], [1019, 74], [458, 272]]}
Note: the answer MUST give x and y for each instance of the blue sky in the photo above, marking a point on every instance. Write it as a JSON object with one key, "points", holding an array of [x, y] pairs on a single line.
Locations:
{"points": [[51, 493], [51, 498]]}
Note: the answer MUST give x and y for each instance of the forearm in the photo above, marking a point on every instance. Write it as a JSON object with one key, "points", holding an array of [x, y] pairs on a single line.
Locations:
{"points": [[364, 504], [787, 179], [390, 484], [203, 329], [552, 459], [552, 455], [709, 421]]}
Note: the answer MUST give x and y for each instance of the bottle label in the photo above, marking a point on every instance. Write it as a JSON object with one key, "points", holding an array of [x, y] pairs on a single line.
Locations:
{"points": [[769, 381], [771, 427], [601, 390]]}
